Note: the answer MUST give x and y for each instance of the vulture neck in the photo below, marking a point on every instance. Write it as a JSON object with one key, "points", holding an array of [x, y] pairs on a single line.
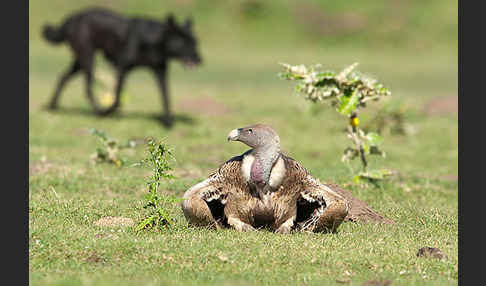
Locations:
{"points": [[265, 158]]}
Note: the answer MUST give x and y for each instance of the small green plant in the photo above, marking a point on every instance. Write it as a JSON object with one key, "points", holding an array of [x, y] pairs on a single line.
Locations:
{"points": [[109, 152], [158, 217], [348, 91]]}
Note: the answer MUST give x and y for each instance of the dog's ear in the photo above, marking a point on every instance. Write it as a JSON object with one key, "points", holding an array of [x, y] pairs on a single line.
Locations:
{"points": [[171, 20], [188, 23]]}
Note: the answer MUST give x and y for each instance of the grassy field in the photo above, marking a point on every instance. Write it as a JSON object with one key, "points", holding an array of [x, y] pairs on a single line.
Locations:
{"points": [[416, 58]]}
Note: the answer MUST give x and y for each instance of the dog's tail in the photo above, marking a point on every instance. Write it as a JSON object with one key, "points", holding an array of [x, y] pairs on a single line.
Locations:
{"points": [[53, 35]]}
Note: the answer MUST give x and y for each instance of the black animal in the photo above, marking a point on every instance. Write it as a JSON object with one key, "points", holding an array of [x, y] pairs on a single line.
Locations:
{"points": [[126, 43]]}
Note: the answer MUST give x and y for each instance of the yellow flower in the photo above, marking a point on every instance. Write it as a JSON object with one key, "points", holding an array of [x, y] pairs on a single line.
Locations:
{"points": [[107, 99]]}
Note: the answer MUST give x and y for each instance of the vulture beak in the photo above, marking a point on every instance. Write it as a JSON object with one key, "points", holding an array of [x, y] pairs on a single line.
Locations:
{"points": [[233, 135]]}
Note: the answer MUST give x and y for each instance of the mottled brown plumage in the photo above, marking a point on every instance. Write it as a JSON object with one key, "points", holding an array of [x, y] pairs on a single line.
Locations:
{"points": [[264, 188]]}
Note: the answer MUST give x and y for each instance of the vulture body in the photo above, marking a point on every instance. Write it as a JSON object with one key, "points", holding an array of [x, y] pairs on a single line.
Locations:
{"points": [[263, 188]]}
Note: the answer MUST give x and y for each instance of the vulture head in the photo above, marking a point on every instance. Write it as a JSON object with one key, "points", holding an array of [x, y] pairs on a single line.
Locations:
{"points": [[257, 136]]}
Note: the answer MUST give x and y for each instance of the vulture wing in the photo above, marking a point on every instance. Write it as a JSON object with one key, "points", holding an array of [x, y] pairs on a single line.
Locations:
{"points": [[359, 211], [323, 205], [204, 202]]}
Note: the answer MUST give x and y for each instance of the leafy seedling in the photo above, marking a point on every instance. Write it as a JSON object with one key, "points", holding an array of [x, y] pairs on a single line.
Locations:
{"points": [[156, 202], [109, 151], [348, 91]]}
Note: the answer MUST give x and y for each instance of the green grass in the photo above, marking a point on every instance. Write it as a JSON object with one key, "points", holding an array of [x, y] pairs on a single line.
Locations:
{"points": [[237, 86]]}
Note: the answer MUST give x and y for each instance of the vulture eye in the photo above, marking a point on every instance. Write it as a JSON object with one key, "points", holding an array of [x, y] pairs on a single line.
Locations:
{"points": [[250, 131]]}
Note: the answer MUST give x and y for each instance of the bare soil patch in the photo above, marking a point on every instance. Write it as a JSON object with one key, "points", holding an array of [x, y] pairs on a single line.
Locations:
{"points": [[110, 221], [203, 105], [442, 105]]}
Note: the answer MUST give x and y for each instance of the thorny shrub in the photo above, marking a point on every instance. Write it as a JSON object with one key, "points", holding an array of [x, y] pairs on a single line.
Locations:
{"points": [[156, 202], [349, 91]]}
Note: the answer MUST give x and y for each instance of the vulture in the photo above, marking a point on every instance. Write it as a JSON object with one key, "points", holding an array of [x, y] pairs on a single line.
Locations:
{"points": [[264, 188]]}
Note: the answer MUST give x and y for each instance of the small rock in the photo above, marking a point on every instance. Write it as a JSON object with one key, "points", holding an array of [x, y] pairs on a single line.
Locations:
{"points": [[223, 258], [431, 252]]}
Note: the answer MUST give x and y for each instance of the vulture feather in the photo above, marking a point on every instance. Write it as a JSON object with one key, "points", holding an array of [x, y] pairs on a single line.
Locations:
{"points": [[264, 188]]}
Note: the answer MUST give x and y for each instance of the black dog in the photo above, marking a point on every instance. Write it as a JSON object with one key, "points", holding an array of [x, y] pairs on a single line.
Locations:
{"points": [[126, 43]]}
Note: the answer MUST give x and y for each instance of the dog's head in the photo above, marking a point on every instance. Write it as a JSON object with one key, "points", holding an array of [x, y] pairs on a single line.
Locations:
{"points": [[181, 43]]}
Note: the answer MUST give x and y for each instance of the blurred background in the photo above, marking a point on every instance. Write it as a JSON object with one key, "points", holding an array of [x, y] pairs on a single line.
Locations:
{"points": [[410, 46]]}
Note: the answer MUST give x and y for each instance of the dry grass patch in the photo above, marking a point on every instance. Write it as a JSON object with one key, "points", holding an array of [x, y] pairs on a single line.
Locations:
{"points": [[110, 221]]}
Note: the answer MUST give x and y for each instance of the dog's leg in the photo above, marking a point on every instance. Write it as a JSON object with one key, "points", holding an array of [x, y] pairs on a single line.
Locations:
{"points": [[86, 62], [162, 79], [89, 91], [73, 69]]}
